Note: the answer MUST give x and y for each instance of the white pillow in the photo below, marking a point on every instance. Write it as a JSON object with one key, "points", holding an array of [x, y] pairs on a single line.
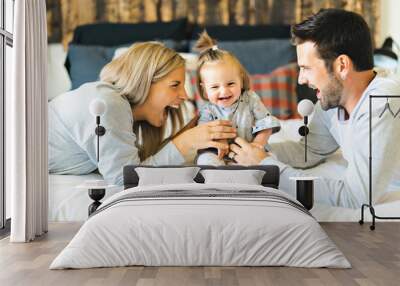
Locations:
{"points": [[163, 176], [58, 80], [248, 177]]}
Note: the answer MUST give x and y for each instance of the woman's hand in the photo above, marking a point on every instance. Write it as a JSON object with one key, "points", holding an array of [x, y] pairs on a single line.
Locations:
{"points": [[223, 152], [204, 136], [245, 153]]}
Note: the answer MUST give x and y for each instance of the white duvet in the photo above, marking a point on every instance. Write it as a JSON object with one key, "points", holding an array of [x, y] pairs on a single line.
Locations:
{"points": [[260, 228]]}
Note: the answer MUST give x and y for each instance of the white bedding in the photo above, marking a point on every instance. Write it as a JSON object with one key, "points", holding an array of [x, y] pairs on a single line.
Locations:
{"points": [[200, 230], [67, 203]]}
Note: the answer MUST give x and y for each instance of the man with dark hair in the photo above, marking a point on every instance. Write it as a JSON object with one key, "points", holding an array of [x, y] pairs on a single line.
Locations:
{"points": [[334, 53]]}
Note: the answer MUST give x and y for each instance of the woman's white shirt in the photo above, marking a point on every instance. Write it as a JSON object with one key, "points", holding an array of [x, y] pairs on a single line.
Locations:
{"points": [[73, 142]]}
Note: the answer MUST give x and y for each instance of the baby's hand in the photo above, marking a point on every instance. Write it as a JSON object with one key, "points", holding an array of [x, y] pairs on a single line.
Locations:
{"points": [[261, 138]]}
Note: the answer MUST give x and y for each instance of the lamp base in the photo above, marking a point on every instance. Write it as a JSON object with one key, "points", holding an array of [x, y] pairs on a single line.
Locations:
{"points": [[96, 195]]}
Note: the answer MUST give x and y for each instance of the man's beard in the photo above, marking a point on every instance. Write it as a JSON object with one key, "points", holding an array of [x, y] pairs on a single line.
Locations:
{"points": [[332, 93]]}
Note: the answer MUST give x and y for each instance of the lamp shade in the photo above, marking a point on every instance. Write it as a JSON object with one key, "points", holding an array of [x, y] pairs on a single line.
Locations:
{"points": [[97, 107], [305, 107]]}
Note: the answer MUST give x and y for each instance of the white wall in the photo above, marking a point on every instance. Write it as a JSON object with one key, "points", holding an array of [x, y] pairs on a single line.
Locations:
{"points": [[390, 20], [390, 23]]}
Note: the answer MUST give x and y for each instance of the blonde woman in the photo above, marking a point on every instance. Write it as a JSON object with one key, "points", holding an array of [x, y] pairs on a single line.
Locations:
{"points": [[141, 88]]}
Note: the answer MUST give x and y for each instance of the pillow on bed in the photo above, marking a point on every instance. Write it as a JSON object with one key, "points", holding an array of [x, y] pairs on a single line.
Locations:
{"points": [[248, 177], [163, 176], [114, 34], [84, 62], [277, 90]]}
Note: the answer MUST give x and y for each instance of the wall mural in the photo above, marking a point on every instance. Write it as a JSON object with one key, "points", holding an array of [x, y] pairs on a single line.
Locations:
{"points": [[64, 15]]}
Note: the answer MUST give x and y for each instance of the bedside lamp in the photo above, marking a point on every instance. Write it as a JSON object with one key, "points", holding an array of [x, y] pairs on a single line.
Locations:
{"points": [[305, 108], [98, 108], [305, 185], [96, 188]]}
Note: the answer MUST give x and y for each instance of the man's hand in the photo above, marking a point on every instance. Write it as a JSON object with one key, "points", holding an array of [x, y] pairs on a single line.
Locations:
{"points": [[245, 153]]}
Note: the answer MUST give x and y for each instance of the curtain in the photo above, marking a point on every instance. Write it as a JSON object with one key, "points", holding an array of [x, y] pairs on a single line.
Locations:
{"points": [[28, 120]]}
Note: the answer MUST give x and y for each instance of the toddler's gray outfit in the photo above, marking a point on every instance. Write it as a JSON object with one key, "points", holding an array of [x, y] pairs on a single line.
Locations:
{"points": [[248, 115]]}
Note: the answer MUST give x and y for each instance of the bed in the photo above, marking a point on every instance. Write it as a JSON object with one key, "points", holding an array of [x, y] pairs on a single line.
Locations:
{"points": [[158, 230], [198, 224], [68, 203]]}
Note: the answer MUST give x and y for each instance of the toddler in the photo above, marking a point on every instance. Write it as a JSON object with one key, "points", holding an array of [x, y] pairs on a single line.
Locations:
{"points": [[225, 86]]}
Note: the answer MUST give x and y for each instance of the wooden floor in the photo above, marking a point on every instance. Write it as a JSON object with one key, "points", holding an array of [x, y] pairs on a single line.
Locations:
{"points": [[374, 255]]}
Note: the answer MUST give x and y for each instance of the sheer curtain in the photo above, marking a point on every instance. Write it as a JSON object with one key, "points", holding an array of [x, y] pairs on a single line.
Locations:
{"points": [[27, 148]]}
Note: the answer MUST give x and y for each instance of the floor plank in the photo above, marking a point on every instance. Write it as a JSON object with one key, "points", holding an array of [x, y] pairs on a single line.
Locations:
{"points": [[374, 255]]}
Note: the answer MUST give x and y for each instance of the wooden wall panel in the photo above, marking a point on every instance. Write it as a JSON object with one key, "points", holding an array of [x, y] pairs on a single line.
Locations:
{"points": [[54, 24], [261, 12], [240, 9], [150, 11], [64, 15], [130, 11]]}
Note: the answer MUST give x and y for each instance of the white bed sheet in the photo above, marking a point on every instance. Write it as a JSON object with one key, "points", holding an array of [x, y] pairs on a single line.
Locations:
{"points": [[67, 203]]}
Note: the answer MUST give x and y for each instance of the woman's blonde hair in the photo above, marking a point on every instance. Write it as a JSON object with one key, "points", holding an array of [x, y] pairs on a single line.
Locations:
{"points": [[209, 52], [132, 74]]}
